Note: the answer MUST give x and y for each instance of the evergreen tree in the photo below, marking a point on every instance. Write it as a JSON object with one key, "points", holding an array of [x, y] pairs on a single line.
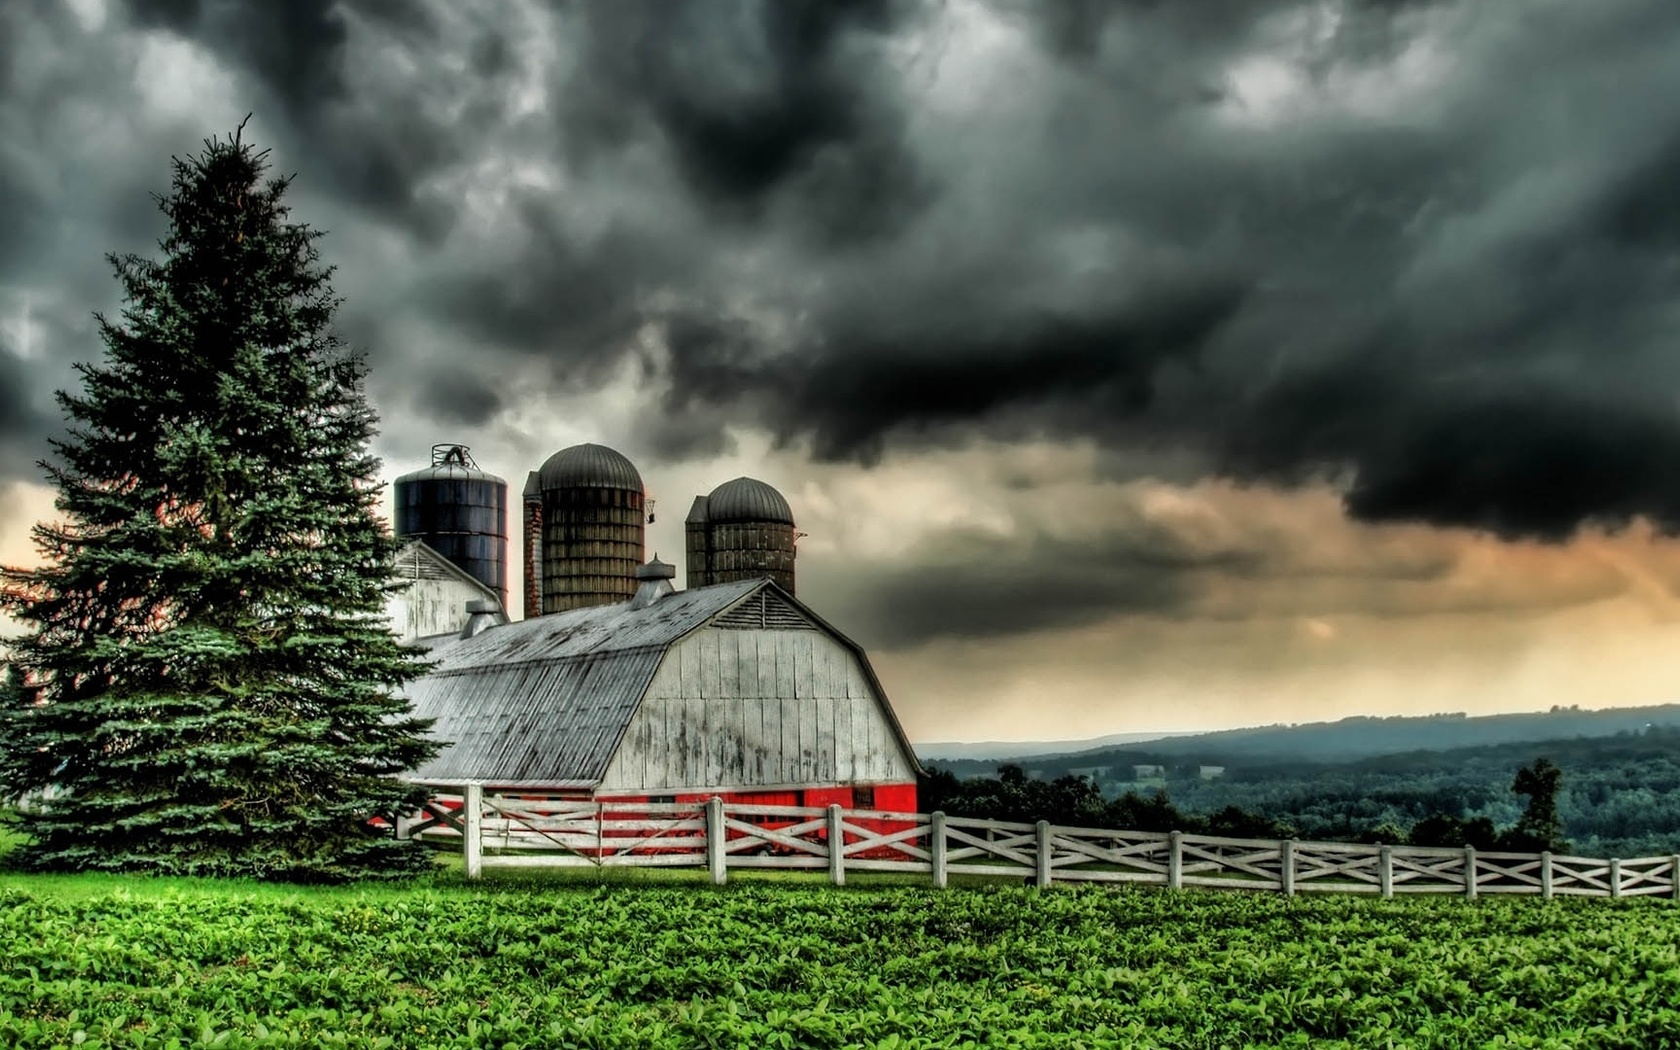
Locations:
{"points": [[12, 704], [219, 689], [11, 691]]}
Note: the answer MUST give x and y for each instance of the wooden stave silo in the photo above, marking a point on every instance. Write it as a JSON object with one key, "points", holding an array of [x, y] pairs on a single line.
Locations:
{"points": [[742, 530], [593, 528]]}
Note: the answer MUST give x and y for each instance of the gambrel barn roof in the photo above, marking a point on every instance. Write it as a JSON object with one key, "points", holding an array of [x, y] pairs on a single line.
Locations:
{"points": [[545, 702]]}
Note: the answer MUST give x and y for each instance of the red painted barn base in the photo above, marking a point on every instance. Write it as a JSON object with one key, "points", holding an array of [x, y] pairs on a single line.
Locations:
{"points": [[887, 798], [882, 798]]}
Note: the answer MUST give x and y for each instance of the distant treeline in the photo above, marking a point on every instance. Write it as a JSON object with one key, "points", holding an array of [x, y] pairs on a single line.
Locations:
{"points": [[1616, 796], [1348, 740]]}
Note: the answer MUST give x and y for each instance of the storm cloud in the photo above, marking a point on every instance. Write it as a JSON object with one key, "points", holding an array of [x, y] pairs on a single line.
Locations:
{"points": [[1424, 254]]}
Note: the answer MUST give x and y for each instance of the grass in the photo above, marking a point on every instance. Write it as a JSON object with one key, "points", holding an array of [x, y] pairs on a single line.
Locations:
{"points": [[659, 958]]}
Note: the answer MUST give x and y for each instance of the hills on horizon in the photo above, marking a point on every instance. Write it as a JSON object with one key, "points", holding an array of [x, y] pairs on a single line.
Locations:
{"points": [[1015, 748], [1344, 740]]}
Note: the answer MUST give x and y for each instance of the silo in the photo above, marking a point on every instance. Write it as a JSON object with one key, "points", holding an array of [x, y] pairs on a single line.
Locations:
{"points": [[743, 530], [459, 511], [593, 524]]}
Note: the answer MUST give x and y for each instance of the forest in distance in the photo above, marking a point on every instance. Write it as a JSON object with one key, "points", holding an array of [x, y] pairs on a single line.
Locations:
{"points": [[1618, 794]]}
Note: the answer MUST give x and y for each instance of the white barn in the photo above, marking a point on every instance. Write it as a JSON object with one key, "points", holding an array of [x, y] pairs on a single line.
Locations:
{"points": [[735, 689], [438, 597]]}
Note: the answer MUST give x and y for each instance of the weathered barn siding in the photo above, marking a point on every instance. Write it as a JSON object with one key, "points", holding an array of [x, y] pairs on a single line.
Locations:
{"points": [[759, 708], [434, 600], [430, 607]]}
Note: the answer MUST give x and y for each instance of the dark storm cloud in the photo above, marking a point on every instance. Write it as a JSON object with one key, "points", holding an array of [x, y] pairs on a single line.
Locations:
{"points": [[966, 584], [296, 48], [1075, 29], [37, 351], [558, 292], [22, 422], [753, 99], [459, 394], [375, 146], [25, 212], [1510, 456], [1641, 207], [23, 220], [849, 392], [1425, 249], [1126, 239], [58, 218], [1213, 553]]}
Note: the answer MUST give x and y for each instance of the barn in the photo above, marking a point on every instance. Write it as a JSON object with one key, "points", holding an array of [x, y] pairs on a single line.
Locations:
{"points": [[437, 599], [734, 689]]}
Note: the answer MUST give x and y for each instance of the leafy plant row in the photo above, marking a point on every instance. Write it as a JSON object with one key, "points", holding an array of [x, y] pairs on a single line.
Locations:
{"points": [[777, 966]]}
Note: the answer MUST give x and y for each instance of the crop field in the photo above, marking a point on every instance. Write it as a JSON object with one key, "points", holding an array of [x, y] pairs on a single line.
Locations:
{"points": [[97, 962]]}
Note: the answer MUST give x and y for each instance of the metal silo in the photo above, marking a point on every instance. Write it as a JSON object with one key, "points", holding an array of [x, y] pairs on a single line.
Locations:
{"points": [[743, 530], [459, 511], [593, 525]]}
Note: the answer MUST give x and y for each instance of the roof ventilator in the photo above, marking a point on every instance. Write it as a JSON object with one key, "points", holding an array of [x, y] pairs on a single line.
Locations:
{"points": [[654, 582], [482, 615]]}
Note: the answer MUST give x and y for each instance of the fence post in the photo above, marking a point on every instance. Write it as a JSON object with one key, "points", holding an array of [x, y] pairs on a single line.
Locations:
{"points": [[1674, 871], [1546, 875], [1286, 866], [1041, 837], [936, 847], [472, 829], [1385, 870], [1616, 877], [1470, 872], [1175, 860], [836, 846], [716, 834]]}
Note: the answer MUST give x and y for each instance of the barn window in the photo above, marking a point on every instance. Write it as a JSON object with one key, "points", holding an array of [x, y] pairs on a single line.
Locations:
{"points": [[863, 798], [662, 800]]}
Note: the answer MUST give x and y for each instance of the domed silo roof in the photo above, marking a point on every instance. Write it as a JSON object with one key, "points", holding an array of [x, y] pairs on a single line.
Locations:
{"points": [[589, 466], [747, 499]]}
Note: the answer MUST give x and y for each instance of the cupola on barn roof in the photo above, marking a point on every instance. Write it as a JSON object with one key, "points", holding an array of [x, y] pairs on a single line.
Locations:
{"points": [[747, 499], [589, 466]]}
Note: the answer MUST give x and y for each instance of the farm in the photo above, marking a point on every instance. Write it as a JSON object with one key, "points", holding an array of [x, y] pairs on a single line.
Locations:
{"points": [[692, 818], [660, 959]]}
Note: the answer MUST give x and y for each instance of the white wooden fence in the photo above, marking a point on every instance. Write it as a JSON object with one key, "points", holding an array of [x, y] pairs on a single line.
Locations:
{"points": [[508, 831]]}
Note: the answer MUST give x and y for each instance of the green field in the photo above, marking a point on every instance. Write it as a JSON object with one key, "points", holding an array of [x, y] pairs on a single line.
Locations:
{"points": [[643, 961]]}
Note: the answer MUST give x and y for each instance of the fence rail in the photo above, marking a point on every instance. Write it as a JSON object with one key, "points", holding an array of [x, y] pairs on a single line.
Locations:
{"points": [[526, 831]]}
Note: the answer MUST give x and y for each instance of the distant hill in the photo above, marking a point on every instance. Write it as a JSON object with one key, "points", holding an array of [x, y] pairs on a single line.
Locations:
{"points": [[1000, 749], [1347, 740]]}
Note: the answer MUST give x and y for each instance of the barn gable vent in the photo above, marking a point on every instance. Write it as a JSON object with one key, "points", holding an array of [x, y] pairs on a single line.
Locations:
{"points": [[764, 610]]}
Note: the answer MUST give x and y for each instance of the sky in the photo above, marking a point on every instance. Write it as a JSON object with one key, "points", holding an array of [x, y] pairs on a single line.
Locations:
{"points": [[1129, 365]]}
